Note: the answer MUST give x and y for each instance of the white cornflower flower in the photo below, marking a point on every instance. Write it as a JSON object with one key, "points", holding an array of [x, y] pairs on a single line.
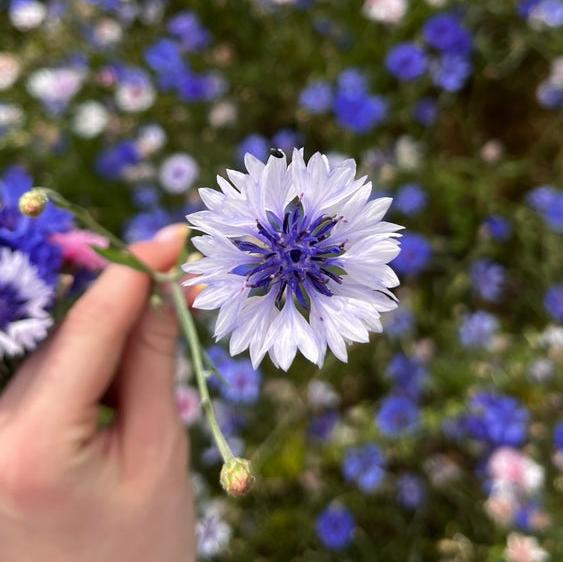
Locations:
{"points": [[178, 173], [295, 258], [386, 11], [27, 14], [520, 548], [90, 119], [24, 298], [9, 70], [513, 470], [213, 534]]}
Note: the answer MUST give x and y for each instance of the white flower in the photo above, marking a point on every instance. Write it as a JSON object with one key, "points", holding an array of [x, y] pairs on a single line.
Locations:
{"points": [[213, 534], [55, 85], [9, 70], [222, 114], [386, 11], [150, 140], [320, 394], [178, 173], [135, 93], [24, 298], [520, 548], [10, 115], [108, 32], [27, 14], [513, 470], [90, 119], [295, 258]]}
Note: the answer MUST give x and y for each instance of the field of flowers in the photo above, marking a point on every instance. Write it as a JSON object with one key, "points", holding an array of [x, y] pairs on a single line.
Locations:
{"points": [[440, 439]]}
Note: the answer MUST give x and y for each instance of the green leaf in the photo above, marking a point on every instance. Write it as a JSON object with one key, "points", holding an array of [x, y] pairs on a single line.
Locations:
{"points": [[122, 258]]}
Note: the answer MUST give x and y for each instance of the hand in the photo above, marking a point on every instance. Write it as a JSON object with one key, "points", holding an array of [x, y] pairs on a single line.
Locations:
{"points": [[70, 491]]}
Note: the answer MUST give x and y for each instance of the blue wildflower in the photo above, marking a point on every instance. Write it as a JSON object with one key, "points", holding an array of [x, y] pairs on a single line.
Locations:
{"points": [[553, 302], [558, 437], [477, 329], [187, 27], [255, 144], [425, 111], [364, 466], [146, 196], [400, 322], [498, 228], [240, 382], [317, 98], [360, 112], [488, 279], [165, 57], [145, 225], [411, 491], [415, 254], [450, 72], [550, 95], [352, 82], [287, 140], [408, 375], [445, 33], [322, 425], [410, 199], [497, 420], [335, 527], [113, 161], [407, 62], [398, 416]]}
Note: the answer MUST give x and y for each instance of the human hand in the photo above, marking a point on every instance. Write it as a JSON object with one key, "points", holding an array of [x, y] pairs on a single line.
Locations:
{"points": [[71, 491]]}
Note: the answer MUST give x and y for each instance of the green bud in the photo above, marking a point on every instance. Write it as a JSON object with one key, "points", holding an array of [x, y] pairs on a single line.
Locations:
{"points": [[33, 203], [237, 477]]}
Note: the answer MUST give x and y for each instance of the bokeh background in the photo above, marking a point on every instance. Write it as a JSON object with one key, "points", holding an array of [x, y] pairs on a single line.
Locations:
{"points": [[439, 441]]}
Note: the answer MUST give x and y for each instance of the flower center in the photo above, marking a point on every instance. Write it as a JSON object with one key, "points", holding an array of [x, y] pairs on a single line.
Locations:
{"points": [[295, 256], [12, 305]]}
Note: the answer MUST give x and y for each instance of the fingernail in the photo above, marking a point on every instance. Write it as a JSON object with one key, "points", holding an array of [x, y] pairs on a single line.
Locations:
{"points": [[172, 232]]}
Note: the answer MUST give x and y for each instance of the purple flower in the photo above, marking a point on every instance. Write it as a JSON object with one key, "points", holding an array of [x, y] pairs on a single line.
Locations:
{"points": [[164, 57], [317, 98], [398, 416], [114, 161], [410, 199], [488, 279], [407, 374], [360, 112], [445, 33], [553, 302], [477, 329], [186, 27], [415, 254], [450, 72], [365, 466], [498, 228], [335, 527], [257, 145], [407, 62], [411, 491], [240, 382]]}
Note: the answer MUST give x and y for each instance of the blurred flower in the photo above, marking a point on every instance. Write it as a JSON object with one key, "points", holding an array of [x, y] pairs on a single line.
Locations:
{"points": [[222, 114], [546, 13], [520, 548], [27, 14], [24, 301], [553, 302], [411, 491], [425, 111], [322, 425], [55, 87], [501, 506], [178, 173], [497, 227], [407, 374], [113, 162], [257, 145], [541, 370], [186, 27], [213, 534], [77, 248], [410, 199], [415, 255], [477, 329], [365, 466], [317, 97], [406, 61], [189, 404], [450, 72], [385, 11], [9, 70], [397, 416], [359, 111], [90, 119], [492, 151], [320, 395], [488, 279], [445, 33], [335, 527], [399, 322], [512, 470], [239, 382], [150, 140], [135, 91], [286, 140], [145, 225], [270, 249]]}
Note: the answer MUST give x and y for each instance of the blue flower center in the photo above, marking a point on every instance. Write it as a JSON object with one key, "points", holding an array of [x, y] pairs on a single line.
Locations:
{"points": [[12, 305], [295, 256]]}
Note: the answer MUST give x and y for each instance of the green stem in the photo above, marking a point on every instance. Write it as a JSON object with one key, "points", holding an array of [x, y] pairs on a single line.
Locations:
{"points": [[190, 333]]}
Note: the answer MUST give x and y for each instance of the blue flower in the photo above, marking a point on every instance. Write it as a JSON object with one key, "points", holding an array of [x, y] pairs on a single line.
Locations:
{"points": [[335, 527], [240, 382], [360, 112], [186, 27], [317, 98], [113, 161], [164, 57], [400, 322], [445, 33], [425, 111], [407, 374], [553, 302], [398, 416], [146, 196], [497, 420], [257, 145], [525, 7], [415, 254], [558, 437], [549, 12], [488, 279], [287, 140], [477, 329], [407, 62], [353, 82], [410, 199], [450, 72], [145, 225], [364, 466], [498, 228], [548, 202], [321, 425], [411, 491]]}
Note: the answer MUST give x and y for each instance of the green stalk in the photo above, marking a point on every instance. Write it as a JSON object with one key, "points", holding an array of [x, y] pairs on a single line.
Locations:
{"points": [[190, 333]]}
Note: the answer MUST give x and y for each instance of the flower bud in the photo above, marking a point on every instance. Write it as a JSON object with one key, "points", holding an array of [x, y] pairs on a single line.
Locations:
{"points": [[237, 477], [33, 203]]}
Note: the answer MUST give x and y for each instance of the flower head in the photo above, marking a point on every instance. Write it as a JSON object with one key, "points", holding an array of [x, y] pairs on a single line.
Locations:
{"points": [[335, 527], [398, 416], [365, 466], [295, 258], [24, 299]]}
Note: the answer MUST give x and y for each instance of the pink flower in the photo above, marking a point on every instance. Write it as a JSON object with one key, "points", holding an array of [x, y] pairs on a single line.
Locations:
{"points": [[76, 246], [188, 404], [521, 548], [510, 468]]}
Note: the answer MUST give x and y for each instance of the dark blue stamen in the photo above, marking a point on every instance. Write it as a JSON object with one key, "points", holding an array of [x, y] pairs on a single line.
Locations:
{"points": [[12, 305], [293, 256]]}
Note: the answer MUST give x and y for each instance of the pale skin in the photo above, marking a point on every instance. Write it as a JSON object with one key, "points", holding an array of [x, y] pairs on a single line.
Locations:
{"points": [[71, 491]]}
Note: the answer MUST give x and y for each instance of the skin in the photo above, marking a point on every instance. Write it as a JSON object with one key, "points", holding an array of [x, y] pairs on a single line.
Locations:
{"points": [[72, 491]]}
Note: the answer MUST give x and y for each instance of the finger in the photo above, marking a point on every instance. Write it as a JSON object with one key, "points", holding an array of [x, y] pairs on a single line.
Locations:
{"points": [[148, 416], [85, 352]]}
